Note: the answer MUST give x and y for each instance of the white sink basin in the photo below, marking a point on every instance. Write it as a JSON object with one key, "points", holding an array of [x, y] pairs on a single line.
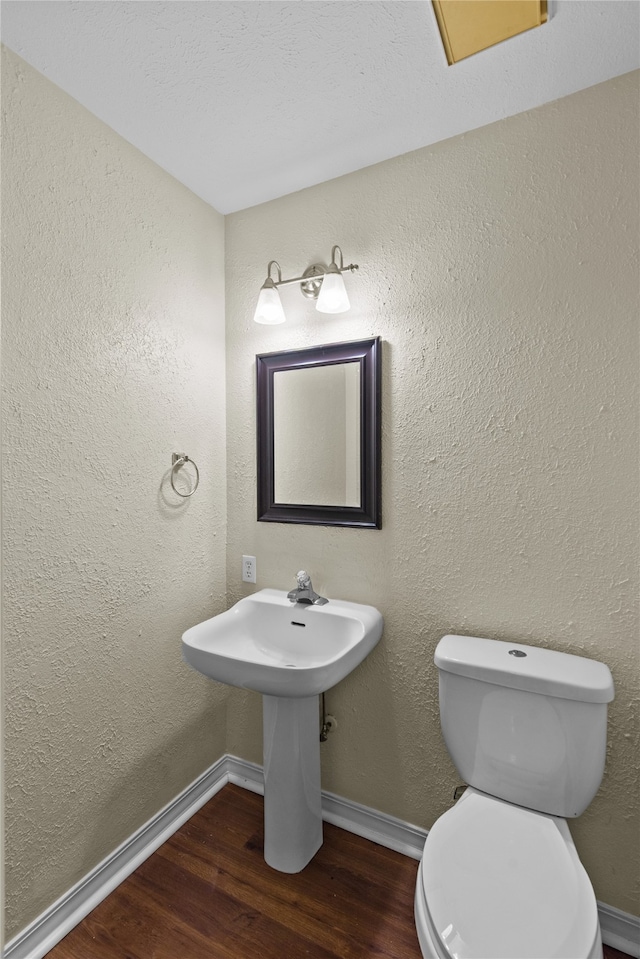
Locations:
{"points": [[279, 648]]}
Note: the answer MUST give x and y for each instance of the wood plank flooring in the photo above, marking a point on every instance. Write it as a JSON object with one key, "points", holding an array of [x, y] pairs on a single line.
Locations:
{"points": [[208, 894]]}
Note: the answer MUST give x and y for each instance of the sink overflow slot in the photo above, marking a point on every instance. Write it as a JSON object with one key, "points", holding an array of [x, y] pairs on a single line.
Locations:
{"points": [[293, 623]]}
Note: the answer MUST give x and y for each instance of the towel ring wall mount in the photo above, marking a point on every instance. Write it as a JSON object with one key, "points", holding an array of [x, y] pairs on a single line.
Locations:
{"points": [[178, 460]]}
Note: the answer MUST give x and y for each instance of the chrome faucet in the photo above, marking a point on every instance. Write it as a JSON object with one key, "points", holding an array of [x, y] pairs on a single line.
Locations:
{"points": [[304, 593]]}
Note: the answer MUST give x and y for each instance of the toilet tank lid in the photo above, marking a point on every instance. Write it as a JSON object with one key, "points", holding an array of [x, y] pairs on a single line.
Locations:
{"points": [[539, 670]]}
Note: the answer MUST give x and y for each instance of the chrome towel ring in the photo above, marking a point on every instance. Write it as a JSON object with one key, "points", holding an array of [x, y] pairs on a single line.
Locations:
{"points": [[178, 460]]}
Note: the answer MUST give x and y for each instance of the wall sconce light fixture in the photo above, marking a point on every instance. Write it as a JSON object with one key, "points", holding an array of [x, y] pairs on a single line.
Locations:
{"points": [[324, 284]]}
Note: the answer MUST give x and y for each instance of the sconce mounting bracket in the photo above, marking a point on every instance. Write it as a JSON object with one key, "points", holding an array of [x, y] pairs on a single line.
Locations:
{"points": [[311, 288]]}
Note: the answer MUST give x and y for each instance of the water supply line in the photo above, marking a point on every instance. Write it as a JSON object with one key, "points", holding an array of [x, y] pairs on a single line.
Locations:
{"points": [[327, 723]]}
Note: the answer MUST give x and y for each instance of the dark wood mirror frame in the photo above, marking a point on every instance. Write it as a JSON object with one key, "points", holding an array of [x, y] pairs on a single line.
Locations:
{"points": [[368, 353]]}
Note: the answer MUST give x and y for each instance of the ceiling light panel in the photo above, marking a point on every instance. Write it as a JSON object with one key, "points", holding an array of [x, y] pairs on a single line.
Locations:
{"points": [[468, 26]]}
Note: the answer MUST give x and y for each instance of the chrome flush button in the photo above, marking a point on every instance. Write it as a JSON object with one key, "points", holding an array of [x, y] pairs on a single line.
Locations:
{"points": [[517, 652]]}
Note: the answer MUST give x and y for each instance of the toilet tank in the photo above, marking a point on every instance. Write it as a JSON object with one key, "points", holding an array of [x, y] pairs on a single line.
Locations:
{"points": [[524, 724]]}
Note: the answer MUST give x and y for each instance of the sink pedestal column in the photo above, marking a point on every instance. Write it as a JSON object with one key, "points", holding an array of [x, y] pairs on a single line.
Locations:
{"points": [[292, 794]]}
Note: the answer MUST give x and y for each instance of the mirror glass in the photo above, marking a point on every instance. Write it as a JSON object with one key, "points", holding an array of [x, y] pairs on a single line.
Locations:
{"points": [[318, 419], [325, 472]]}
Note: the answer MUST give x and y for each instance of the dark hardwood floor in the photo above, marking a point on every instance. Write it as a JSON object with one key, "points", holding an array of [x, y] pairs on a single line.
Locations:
{"points": [[207, 893]]}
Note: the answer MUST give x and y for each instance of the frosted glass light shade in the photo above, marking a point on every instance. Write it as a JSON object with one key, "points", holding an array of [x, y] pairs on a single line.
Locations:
{"points": [[269, 309], [333, 294]]}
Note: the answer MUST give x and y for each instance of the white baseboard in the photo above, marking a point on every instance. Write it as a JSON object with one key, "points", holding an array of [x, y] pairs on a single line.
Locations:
{"points": [[619, 929], [352, 816], [376, 826]]}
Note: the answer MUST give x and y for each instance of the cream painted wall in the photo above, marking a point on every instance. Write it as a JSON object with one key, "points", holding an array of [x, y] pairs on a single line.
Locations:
{"points": [[501, 270], [113, 358]]}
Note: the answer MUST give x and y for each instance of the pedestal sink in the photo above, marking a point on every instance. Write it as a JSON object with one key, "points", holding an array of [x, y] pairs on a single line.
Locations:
{"points": [[290, 653]]}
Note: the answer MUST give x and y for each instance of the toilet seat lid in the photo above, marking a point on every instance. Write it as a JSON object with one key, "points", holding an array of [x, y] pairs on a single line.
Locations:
{"points": [[506, 882]]}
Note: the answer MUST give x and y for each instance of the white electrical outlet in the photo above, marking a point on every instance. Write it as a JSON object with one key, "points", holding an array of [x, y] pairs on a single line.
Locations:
{"points": [[248, 569]]}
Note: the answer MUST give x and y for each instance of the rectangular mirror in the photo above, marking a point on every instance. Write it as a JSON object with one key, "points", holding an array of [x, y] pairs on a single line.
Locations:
{"points": [[318, 425]]}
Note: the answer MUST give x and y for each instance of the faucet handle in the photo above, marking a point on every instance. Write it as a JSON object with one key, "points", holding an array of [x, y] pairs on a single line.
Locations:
{"points": [[303, 579]]}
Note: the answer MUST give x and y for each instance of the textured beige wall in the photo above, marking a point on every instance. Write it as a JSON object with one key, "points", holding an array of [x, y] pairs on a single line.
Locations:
{"points": [[501, 270], [113, 358]]}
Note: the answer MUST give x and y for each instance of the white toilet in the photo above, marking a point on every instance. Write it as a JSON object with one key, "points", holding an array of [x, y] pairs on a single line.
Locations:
{"points": [[500, 877]]}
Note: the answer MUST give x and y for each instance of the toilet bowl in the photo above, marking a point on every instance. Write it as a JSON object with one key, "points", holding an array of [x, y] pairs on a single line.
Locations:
{"points": [[497, 881], [500, 877]]}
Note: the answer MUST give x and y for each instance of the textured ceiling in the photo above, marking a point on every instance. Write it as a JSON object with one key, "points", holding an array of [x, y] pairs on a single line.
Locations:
{"points": [[247, 100]]}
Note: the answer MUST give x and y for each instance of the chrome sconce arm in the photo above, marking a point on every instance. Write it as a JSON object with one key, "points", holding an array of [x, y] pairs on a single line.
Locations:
{"points": [[325, 284]]}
